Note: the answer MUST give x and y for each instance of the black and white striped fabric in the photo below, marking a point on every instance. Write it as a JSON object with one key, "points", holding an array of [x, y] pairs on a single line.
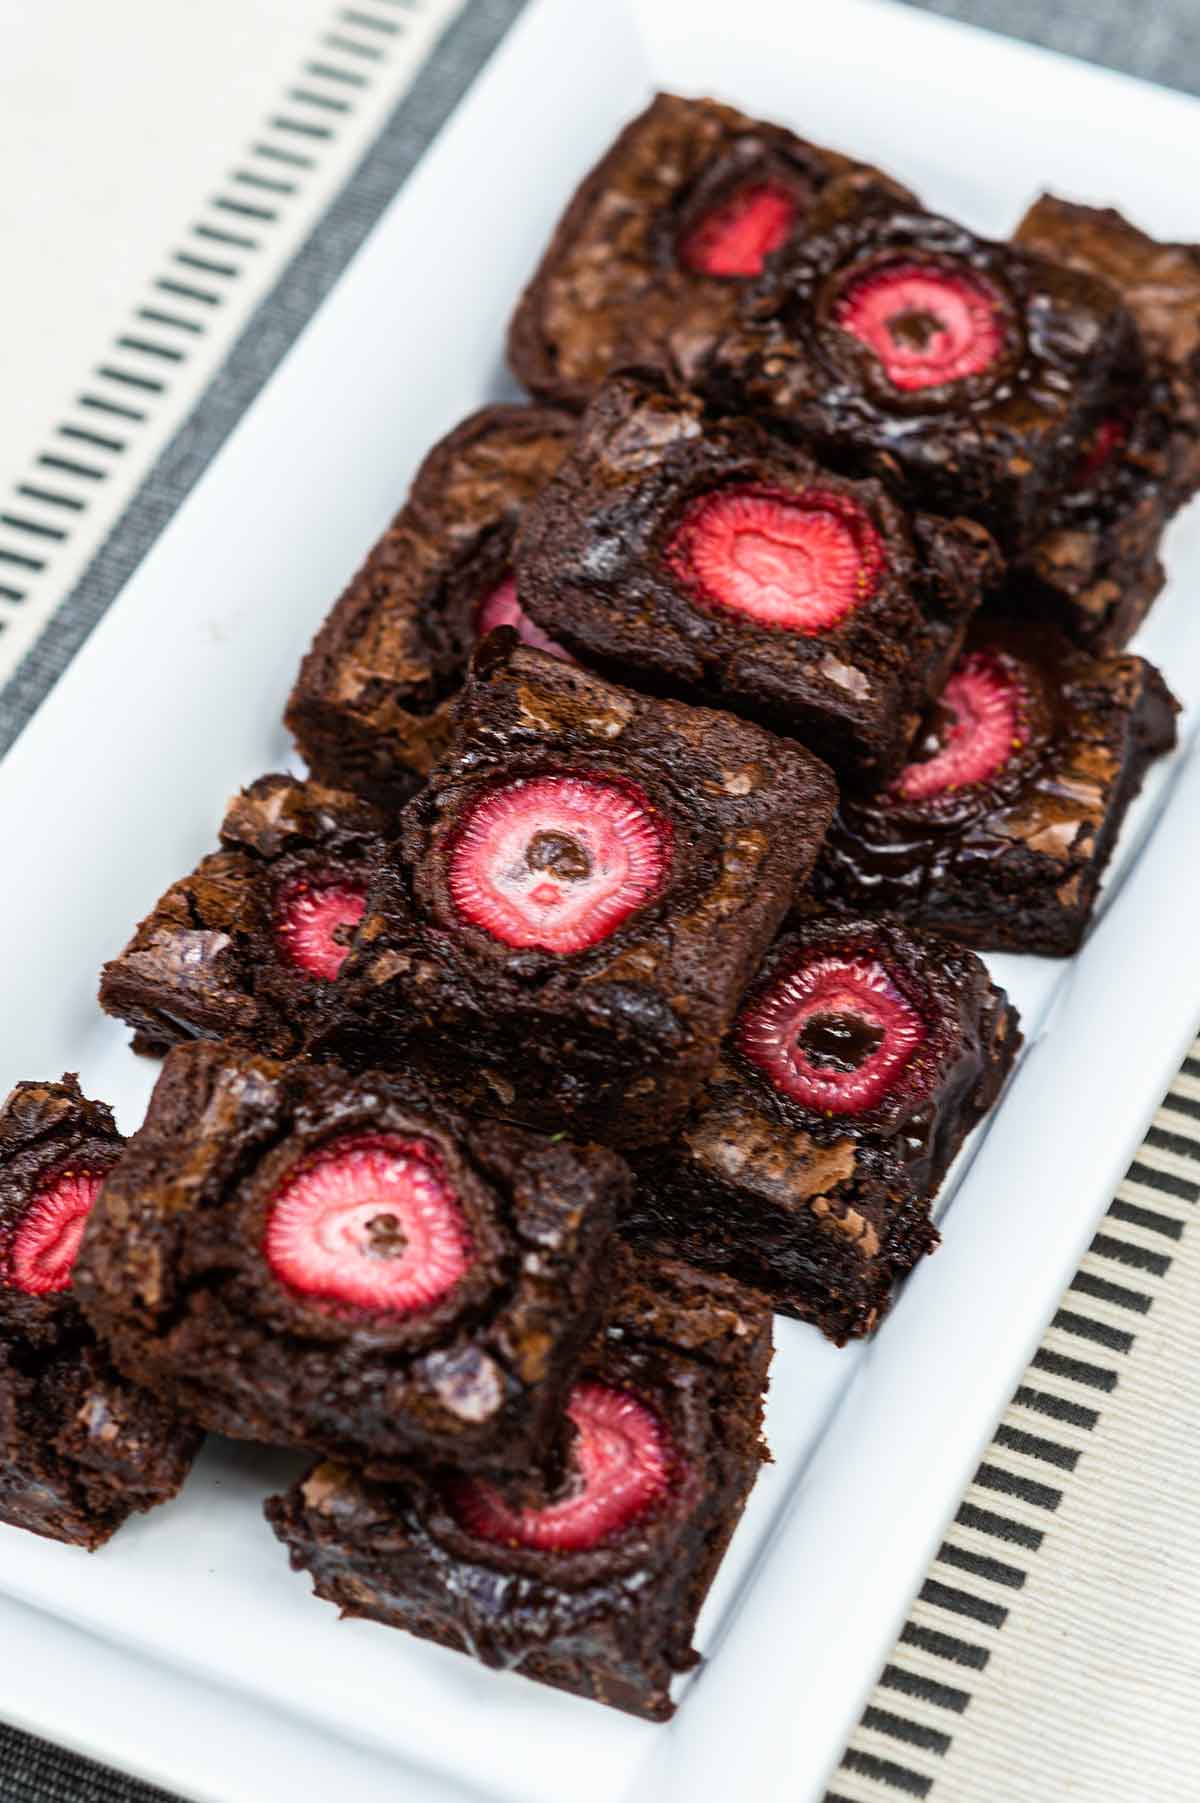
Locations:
{"points": [[1105, 1361]]}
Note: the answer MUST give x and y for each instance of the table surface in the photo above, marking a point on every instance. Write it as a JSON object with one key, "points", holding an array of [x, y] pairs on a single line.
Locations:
{"points": [[1047, 1654]]}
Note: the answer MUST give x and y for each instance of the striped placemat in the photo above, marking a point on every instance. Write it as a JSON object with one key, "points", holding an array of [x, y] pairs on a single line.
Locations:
{"points": [[1052, 1650]]}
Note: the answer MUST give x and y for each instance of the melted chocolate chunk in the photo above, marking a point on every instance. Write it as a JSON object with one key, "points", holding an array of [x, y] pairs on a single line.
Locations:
{"points": [[841, 1041]]}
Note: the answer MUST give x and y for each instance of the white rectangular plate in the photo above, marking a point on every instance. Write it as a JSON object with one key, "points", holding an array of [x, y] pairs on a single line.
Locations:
{"points": [[186, 1650]]}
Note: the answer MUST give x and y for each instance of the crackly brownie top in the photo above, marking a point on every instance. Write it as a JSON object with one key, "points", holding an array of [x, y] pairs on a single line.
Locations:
{"points": [[249, 939], [1024, 751], [274, 1212], [906, 331], [56, 1148], [1159, 283], [861, 1027], [708, 554], [401, 634], [649, 257], [645, 1455], [576, 820]]}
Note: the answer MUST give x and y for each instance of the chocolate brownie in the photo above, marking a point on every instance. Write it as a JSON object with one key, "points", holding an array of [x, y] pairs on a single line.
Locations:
{"points": [[1096, 569], [244, 948], [711, 561], [971, 370], [372, 705], [1160, 284], [999, 830], [595, 1587], [647, 262], [861, 1058], [81, 1448], [309, 1259], [577, 899]]}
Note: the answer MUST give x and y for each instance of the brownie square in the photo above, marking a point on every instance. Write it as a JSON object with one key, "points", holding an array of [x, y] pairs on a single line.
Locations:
{"points": [[896, 338], [372, 705], [245, 947], [577, 899], [1160, 284], [345, 1264], [648, 261], [81, 1448], [596, 1586], [1096, 569], [999, 831], [714, 562], [861, 1058]]}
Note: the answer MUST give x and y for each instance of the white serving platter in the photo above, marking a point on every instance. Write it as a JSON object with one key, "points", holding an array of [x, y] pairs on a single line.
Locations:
{"points": [[186, 1651]]}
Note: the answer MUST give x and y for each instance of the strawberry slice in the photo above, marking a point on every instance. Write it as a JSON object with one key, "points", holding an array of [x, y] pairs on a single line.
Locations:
{"points": [[315, 918], [795, 562], [834, 1033], [370, 1221], [739, 234], [980, 721], [926, 324], [622, 1467], [558, 862], [45, 1244], [501, 608]]}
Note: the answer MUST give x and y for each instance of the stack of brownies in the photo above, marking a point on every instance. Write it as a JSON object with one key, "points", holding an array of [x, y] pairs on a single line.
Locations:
{"points": [[611, 980]]}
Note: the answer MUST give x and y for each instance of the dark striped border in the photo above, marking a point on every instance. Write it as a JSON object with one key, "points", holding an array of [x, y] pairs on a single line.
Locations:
{"points": [[974, 1584], [133, 381], [66, 471]]}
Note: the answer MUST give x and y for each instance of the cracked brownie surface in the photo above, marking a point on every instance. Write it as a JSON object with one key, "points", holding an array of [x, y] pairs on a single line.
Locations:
{"points": [[649, 259], [372, 706]]}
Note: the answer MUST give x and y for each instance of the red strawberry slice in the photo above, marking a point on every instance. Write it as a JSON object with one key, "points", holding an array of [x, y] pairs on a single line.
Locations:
{"points": [[558, 862], [739, 234], [833, 1033], [501, 608], [371, 1221], [622, 1467], [47, 1240], [980, 721], [927, 325], [314, 920], [795, 562]]}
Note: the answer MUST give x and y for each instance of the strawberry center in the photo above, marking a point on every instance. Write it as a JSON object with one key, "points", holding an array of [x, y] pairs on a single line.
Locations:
{"points": [[46, 1242], [926, 325], [370, 1221], [739, 234], [501, 608], [835, 1033], [315, 918], [622, 1467], [794, 562], [975, 728], [558, 862]]}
